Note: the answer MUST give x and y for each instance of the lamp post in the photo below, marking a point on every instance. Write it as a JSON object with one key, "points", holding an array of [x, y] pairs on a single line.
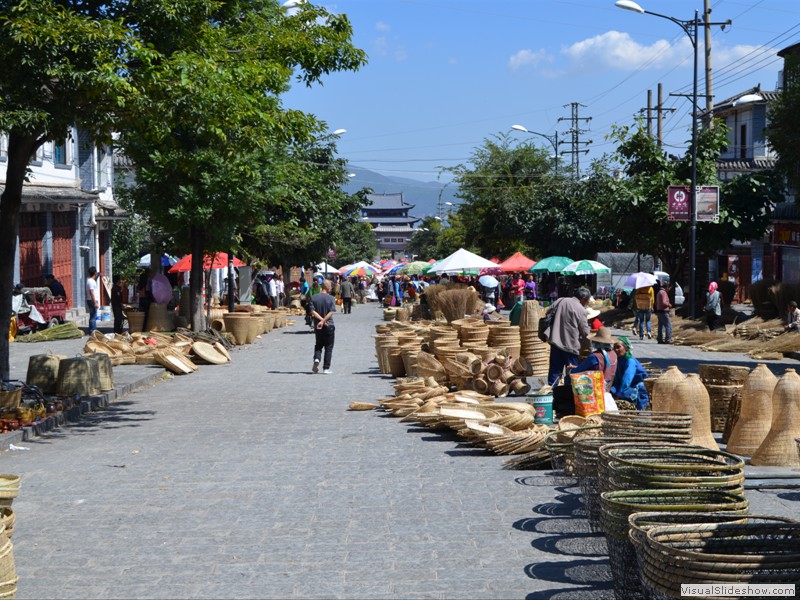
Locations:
{"points": [[689, 27], [553, 139]]}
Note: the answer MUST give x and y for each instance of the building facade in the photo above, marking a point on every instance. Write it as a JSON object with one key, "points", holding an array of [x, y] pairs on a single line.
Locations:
{"points": [[66, 215], [391, 224]]}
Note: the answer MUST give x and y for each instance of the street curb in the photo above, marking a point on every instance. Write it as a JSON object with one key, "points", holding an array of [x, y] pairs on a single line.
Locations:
{"points": [[75, 414]]}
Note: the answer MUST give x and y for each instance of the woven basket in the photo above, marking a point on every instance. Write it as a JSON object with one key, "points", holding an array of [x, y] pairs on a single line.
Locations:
{"points": [[8, 519], [762, 550], [778, 448], [661, 398], [641, 423], [8, 571], [10, 398], [238, 325], [43, 372], [722, 374], [135, 320], [561, 446], [618, 506], [641, 522], [722, 398], [9, 489], [755, 415], [105, 372], [690, 397], [78, 375]]}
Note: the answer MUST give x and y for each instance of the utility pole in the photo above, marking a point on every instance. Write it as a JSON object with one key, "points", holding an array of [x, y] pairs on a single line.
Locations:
{"points": [[659, 109], [709, 79], [575, 132]]}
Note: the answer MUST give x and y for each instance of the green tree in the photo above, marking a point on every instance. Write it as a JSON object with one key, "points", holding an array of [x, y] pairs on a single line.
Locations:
{"points": [[215, 152], [63, 65], [130, 239], [424, 242], [355, 241], [783, 129], [640, 200]]}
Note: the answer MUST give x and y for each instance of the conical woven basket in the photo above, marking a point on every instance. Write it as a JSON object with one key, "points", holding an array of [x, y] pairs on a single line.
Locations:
{"points": [[755, 416], [661, 398], [779, 447], [690, 397], [237, 324]]}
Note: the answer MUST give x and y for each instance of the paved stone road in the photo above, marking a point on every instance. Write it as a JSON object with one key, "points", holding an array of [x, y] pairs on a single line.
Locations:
{"points": [[251, 480]]}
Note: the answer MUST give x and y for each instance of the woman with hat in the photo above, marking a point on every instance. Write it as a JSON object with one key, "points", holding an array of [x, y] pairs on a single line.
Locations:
{"points": [[489, 313], [629, 379], [601, 358]]}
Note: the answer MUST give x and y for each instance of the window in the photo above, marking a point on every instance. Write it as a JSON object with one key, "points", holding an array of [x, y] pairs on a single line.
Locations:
{"points": [[60, 152], [743, 142]]}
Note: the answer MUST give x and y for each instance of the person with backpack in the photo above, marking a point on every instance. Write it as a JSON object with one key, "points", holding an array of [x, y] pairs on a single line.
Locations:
{"points": [[566, 330]]}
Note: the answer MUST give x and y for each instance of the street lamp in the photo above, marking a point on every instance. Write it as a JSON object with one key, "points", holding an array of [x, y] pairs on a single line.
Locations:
{"points": [[689, 27], [553, 139]]}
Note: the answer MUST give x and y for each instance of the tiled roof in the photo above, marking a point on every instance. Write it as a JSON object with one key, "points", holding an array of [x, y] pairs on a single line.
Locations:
{"points": [[727, 104], [392, 220], [748, 164], [393, 229], [387, 201]]}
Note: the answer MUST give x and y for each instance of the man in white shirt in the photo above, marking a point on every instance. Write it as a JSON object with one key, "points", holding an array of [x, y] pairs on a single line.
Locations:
{"points": [[92, 298], [272, 288], [281, 287]]}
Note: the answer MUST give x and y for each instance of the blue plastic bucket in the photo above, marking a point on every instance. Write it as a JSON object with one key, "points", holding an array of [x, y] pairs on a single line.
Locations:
{"points": [[543, 405]]}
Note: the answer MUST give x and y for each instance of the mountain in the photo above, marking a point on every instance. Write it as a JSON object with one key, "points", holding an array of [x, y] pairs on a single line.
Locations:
{"points": [[423, 194]]}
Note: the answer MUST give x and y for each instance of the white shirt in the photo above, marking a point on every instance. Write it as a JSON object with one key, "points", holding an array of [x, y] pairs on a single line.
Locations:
{"points": [[273, 290], [280, 286], [93, 291]]}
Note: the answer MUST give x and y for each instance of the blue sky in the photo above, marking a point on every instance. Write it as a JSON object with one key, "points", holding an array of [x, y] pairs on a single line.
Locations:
{"points": [[443, 75]]}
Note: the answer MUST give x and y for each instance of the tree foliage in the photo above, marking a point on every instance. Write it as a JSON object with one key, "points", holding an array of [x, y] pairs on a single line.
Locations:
{"points": [[783, 118]]}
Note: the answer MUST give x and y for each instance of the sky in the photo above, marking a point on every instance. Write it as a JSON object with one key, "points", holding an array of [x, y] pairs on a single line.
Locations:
{"points": [[444, 75]]}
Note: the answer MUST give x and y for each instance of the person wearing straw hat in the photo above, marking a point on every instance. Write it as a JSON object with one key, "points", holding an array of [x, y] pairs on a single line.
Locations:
{"points": [[629, 379], [489, 313], [601, 358], [323, 305], [591, 316]]}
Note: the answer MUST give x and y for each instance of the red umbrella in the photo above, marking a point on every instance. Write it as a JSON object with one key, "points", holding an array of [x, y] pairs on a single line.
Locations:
{"points": [[218, 260]]}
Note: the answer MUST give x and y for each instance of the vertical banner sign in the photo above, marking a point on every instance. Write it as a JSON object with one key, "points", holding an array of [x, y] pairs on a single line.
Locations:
{"points": [[678, 198], [707, 203]]}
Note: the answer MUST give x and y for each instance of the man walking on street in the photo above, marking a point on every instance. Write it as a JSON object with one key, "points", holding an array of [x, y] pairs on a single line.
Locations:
{"points": [[663, 307], [92, 298], [643, 297], [568, 329], [347, 292], [323, 305]]}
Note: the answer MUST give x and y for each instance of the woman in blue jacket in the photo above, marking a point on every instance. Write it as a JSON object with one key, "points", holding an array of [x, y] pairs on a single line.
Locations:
{"points": [[629, 379]]}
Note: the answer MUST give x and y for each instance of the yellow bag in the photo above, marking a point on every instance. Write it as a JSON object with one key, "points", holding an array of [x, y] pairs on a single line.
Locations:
{"points": [[588, 390], [12, 329]]}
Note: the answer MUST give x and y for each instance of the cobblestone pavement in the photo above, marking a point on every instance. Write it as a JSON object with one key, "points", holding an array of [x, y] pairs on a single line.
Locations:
{"points": [[252, 480]]}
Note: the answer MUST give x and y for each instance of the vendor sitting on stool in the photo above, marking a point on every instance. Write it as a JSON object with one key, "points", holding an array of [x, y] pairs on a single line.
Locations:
{"points": [[629, 379]]}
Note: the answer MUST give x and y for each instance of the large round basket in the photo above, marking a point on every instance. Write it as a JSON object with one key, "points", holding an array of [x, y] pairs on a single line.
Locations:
{"points": [[135, 320], [239, 325], [618, 506]]}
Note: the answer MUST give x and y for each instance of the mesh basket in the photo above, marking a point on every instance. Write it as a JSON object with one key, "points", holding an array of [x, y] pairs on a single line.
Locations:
{"points": [[763, 549], [617, 508], [561, 446]]}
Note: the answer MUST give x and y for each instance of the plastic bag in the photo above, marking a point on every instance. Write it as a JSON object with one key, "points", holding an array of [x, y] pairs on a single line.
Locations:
{"points": [[588, 390]]}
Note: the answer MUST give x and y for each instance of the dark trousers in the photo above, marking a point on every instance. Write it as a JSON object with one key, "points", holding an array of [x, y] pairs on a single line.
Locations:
{"points": [[347, 305], [558, 360], [118, 319], [324, 340], [664, 327]]}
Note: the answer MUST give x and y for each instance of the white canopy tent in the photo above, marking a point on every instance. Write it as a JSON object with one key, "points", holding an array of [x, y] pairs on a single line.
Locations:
{"points": [[462, 260]]}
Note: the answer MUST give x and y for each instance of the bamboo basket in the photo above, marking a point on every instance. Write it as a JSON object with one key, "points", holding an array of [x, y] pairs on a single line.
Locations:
{"points": [[778, 448], [763, 549], [661, 397], [690, 397], [755, 417], [617, 508]]}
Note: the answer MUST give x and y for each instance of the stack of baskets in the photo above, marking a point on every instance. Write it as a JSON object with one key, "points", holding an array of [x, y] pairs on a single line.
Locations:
{"points": [[639, 423], [9, 489], [535, 351], [506, 337], [758, 550], [618, 506], [724, 384], [561, 443]]}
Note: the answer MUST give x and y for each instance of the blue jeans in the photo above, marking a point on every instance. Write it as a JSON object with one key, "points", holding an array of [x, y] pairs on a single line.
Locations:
{"points": [[644, 319], [665, 326], [558, 360], [92, 310]]}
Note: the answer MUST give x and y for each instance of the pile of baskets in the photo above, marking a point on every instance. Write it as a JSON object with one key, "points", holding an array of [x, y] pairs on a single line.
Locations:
{"points": [[724, 384], [9, 490]]}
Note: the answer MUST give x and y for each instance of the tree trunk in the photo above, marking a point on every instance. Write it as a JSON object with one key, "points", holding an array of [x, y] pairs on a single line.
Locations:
{"points": [[20, 151], [196, 280]]}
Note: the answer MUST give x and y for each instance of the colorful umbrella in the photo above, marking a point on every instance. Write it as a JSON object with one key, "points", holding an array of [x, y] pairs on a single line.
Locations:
{"points": [[361, 269], [639, 280], [585, 267], [395, 269], [218, 260], [413, 268], [551, 264]]}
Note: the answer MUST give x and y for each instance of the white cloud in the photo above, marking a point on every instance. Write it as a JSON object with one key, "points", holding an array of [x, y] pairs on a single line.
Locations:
{"points": [[617, 50], [400, 54], [527, 58], [452, 61], [381, 45], [381, 26]]}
